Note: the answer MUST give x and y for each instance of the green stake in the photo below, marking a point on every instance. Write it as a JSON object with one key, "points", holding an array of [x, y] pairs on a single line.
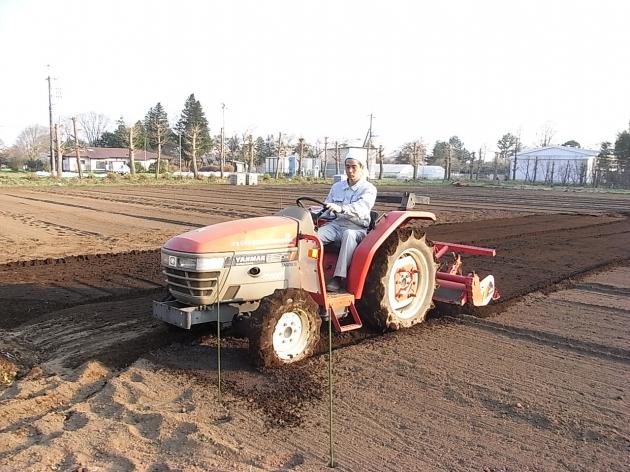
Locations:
{"points": [[219, 351], [330, 392]]}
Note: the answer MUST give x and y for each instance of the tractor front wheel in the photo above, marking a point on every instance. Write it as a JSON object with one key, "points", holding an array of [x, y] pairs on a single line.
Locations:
{"points": [[399, 287], [284, 328]]}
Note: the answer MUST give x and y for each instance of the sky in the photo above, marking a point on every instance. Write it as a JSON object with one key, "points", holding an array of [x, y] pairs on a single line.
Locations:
{"points": [[320, 68]]}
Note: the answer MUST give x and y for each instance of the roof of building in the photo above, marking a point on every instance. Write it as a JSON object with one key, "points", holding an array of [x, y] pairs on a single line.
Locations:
{"points": [[557, 152], [116, 153]]}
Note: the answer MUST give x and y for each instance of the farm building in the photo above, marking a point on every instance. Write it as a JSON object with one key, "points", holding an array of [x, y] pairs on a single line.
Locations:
{"points": [[100, 160], [288, 166], [554, 164]]}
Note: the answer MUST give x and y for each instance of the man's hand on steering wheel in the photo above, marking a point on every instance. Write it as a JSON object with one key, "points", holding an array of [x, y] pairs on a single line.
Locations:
{"points": [[334, 207]]}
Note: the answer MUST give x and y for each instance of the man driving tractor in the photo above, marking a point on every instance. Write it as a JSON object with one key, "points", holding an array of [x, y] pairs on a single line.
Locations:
{"points": [[351, 201]]}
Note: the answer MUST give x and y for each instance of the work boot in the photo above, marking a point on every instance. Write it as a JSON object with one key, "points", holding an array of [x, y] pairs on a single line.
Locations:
{"points": [[334, 285]]}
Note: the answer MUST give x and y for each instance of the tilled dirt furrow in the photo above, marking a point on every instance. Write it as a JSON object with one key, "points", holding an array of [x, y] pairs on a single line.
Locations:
{"points": [[272, 198], [519, 268]]}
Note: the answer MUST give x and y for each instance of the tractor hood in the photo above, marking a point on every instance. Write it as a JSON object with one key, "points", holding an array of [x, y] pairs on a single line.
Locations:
{"points": [[267, 232]]}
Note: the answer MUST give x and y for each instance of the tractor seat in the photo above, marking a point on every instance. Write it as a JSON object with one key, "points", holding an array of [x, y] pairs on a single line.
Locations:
{"points": [[374, 216]]}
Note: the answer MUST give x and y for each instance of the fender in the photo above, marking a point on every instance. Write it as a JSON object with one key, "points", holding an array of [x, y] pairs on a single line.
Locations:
{"points": [[364, 253]]}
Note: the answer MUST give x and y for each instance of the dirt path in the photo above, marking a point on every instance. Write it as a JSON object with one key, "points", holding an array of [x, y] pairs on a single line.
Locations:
{"points": [[540, 382]]}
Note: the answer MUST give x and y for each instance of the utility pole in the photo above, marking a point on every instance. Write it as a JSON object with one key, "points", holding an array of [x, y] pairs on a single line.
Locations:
{"points": [[472, 164], [337, 156], [59, 156], [515, 160], [132, 160], [279, 155], [76, 147], [251, 154], [325, 156], [380, 161], [479, 164], [53, 166], [447, 164], [179, 136], [368, 144], [414, 160], [222, 157], [300, 154]]}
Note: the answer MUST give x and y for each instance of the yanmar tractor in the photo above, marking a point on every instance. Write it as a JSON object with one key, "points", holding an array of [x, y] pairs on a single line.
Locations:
{"points": [[268, 274]]}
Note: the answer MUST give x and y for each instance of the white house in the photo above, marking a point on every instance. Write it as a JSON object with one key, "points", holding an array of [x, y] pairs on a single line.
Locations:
{"points": [[102, 160], [554, 164]]}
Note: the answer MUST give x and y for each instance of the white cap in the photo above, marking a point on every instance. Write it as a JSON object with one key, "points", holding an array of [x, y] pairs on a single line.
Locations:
{"points": [[360, 161], [358, 154]]}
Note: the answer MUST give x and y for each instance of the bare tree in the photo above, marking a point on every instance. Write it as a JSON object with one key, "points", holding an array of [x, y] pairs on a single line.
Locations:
{"points": [[234, 146], [381, 155], [32, 141], [192, 133], [158, 130], [57, 141], [64, 141], [76, 147], [280, 150], [132, 156], [94, 125], [547, 132], [250, 143], [415, 154]]}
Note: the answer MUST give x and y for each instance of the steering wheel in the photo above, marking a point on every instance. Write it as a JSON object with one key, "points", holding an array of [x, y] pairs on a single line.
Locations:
{"points": [[316, 216]]}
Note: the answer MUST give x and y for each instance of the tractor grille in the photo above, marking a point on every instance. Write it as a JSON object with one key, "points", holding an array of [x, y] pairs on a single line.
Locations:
{"points": [[196, 287]]}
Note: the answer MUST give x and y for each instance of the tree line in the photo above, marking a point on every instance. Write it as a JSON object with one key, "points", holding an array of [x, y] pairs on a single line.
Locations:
{"points": [[195, 148]]}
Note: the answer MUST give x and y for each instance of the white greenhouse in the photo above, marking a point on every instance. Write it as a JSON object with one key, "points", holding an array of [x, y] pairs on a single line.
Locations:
{"points": [[554, 164]]}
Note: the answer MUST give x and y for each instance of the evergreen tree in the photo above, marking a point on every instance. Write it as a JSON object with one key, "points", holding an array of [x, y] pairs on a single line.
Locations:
{"points": [[459, 154], [508, 145], [572, 143], [603, 164], [193, 127], [622, 153], [440, 154], [259, 147], [119, 138], [233, 146], [140, 136], [270, 147]]}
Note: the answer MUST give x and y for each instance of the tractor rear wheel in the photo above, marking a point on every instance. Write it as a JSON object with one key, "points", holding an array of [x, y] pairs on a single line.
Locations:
{"points": [[284, 328], [399, 287]]}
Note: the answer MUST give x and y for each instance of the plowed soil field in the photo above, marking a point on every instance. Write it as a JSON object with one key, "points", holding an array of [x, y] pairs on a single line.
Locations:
{"points": [[538, 381]]}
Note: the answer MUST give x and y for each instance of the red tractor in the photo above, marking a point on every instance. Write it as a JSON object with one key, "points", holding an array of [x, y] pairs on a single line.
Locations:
{"points": [[268, 273]]}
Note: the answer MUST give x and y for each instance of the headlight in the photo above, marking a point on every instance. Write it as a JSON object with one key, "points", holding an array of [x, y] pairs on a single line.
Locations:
{"points": [[210, 263], [192, 263], [189, 263]]}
